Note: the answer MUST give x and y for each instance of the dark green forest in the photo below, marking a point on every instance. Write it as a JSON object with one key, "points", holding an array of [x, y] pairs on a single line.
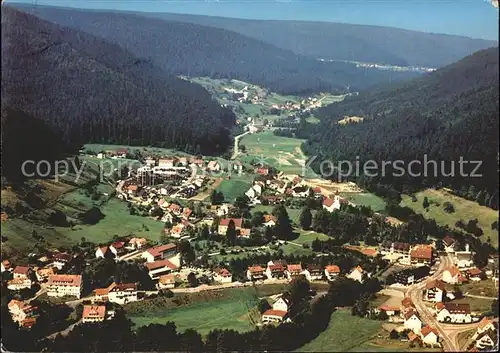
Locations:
{"points": [[445, 115], [90, 90], [194, 50]]}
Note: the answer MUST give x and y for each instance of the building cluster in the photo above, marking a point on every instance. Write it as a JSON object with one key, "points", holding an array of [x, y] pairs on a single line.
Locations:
{"points": [[419, 332], [485, 339], [279, 269]]}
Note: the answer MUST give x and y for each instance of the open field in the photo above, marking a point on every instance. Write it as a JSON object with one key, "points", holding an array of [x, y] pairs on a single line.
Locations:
{"points": [[366, 199], [350, 119], [283, 153], [203, 317], [347, 333], [232, 309], [344, 333], [486, 288], [476, 304], [236, 186], [464, 210], [117, 221]]}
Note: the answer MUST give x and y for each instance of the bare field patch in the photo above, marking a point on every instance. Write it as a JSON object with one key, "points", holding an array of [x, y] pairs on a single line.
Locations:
{"points": [[350, 119]]}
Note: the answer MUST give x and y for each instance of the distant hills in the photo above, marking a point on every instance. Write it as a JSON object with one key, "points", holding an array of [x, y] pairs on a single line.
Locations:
{"points": [[183, 48], [91, 90], [445, 115], [340, 41]]}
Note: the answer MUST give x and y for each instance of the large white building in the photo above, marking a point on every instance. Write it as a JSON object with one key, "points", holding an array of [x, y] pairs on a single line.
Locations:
{"points": [[64, 285]]}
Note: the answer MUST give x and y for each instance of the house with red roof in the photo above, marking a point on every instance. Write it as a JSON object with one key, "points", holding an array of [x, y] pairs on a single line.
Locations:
{"points": [[452, 275], [357, 274], [430, 336], [186, 213], [222, 275], [93, 313], [160, 252], [434, 291], [120, 293], [22, 272], [421, 255], [313, 272], [255, 273], [64, 285], [454, 313], [331, 205], [332, 272], [272, 316], [156, 269], [167, 281], [293, 271], [23, 314], [106, 251], [275, 270], [224, 223], [412, 321]]}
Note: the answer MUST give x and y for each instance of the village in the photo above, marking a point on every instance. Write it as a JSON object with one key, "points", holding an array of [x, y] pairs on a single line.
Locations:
{"points": [[425, 276]]}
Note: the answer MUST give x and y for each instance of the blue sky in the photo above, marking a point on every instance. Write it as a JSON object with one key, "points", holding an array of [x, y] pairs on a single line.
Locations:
{"points": [[472, 18]]}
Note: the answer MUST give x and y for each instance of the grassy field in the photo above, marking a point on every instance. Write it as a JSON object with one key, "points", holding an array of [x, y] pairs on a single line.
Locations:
{"points": [[347, 333], [367, 199], [464, 210], [476, 304], [235, 310], [236, 186], [283, 153], [118, 221], [486, 288], [344, 333]]}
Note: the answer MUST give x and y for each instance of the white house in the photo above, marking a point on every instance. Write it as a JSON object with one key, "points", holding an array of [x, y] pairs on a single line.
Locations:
{"points": [[412, 321], [282, 304], [483, 326], [137, 243], [61, 260], [166, 163], [156, 269], [23, 314], [160, 252], [275, 270], [430, 336], [255, 273], [452, 275], [486, 341], [464, 259], [269, 220], [19, 283], [64, 285], [106, 251], [223, 210], [449, 244], [292, 271], [434, 291], [166, 281], [93, 313], [222, 275], [122, 293], [454, 313], [332, 272], [313, 273], [356, 274], [331, 205], [273, 316]]}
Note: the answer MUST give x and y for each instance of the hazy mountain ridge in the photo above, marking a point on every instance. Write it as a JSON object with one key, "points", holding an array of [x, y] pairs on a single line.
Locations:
{"points": [[350, 42], [182, 48], [114, 97]]}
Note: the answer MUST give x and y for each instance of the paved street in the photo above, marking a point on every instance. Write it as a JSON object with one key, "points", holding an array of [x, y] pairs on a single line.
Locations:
{"points": [[448, 332]]}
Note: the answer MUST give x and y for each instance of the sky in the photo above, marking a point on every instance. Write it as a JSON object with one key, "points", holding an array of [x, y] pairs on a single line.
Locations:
{"points": [[471, 18]]}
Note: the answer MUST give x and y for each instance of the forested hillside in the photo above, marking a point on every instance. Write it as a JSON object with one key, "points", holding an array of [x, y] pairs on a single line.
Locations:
{"points": [[445, 115], [195, 50], [25, 138], [94, 91], [343, 41]]}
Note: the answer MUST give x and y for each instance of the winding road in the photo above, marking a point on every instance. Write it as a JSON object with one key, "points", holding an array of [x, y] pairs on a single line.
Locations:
{"points": [[448, 332], [236, 140]]}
